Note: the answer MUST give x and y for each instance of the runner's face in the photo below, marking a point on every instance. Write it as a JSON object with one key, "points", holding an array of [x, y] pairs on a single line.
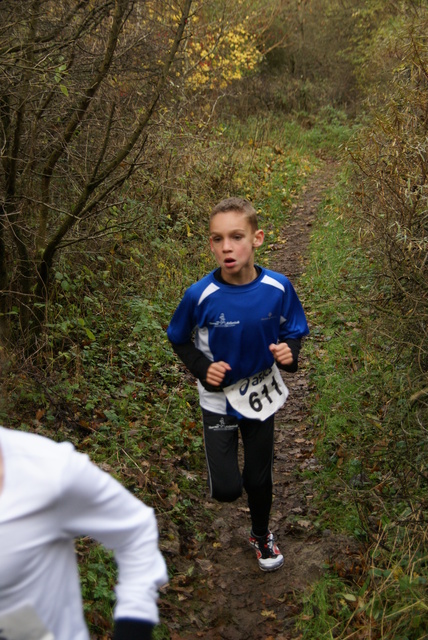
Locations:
{"points": [[233, 241]]}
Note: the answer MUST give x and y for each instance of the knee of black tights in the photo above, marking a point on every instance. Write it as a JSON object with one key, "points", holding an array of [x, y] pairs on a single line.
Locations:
{"points": [[258, 489], [226, 495]]}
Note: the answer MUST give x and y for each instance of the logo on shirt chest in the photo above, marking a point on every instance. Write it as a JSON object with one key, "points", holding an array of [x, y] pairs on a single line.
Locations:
{"points": [[270, 316], [223, 323]]}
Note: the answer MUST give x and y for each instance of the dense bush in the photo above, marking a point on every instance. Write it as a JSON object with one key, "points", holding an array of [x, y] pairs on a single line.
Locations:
{"points": [[389, 212], [391, 156]]}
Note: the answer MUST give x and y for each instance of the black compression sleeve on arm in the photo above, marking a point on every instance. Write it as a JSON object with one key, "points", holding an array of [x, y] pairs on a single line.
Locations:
{"points": [[295, 345], [132, 629], [195, 361], [193, 358]]}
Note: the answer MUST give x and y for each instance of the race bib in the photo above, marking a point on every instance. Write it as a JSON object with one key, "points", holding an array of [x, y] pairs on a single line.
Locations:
{"points": [[259, 396], [23, 624]]}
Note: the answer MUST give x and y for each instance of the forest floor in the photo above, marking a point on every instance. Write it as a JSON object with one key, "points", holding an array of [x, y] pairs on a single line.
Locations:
{"points": [[221, 594]]}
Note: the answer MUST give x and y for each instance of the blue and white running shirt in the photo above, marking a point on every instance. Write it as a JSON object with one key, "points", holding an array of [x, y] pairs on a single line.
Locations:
{"points": [[236, 324]]}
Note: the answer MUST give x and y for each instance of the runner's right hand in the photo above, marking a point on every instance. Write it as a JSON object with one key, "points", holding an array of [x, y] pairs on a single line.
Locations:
{"points": [[216, 372]]}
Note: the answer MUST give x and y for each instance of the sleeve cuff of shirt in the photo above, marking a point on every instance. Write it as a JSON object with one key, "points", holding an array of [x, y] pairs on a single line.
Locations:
{"points": [[132, 629]]}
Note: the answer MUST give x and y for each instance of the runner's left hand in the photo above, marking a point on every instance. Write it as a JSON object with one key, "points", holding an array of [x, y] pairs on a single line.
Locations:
{"points": [[282, 353]]}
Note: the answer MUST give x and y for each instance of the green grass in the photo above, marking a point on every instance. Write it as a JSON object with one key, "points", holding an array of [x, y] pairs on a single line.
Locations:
{"points": [[370, 444], [340, 402]]}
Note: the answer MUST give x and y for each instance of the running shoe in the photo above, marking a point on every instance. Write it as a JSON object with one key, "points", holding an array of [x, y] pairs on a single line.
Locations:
{"points": [[268, 554]]}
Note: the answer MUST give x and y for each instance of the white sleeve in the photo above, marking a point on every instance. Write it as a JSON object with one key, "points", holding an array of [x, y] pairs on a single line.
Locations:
{"points": [[93, 503]]}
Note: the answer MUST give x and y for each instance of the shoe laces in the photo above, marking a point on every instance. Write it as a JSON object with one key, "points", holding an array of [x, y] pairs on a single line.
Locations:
{"points": [[266, 546]]}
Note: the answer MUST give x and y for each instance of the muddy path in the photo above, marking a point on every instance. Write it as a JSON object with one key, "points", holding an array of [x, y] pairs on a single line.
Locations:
{"points": [[223, 595]]}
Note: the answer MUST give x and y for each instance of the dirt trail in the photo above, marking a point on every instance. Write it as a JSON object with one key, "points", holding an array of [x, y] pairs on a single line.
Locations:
{"points": [[225, 596]]}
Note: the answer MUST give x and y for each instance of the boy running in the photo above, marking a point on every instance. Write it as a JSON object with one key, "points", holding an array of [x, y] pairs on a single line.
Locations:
{"points": [[231, 330]]}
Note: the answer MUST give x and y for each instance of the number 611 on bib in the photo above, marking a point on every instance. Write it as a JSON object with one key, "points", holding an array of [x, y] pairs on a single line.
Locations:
{"points": [[258, 396]]}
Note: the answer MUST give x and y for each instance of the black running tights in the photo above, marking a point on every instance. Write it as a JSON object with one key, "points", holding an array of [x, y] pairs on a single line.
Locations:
{"points": [[224, 476]]}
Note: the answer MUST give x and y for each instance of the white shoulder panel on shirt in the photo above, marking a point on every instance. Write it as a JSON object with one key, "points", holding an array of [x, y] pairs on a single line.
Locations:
{"points": [[212, 288], [273, 282]]}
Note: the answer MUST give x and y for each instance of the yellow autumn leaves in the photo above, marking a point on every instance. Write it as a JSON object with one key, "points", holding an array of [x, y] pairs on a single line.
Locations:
{"points": [[217, 48], [221, 57]]}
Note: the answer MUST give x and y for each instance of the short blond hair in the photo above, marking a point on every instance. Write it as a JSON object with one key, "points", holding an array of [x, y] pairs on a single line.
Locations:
{"points": [[239, 205]]}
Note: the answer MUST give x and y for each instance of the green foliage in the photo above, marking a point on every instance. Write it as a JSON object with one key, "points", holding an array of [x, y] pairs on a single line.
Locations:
{"points": [[311, 56], [272, 167], [371, 441], [392, 600], [98, 576], [86, 86], [343, 388], [391, 195], [104, 375], [107, 379], [325, 609]]}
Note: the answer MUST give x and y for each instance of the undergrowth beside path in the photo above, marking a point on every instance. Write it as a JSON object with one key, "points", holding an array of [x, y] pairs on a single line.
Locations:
{"points": [[351, 474], [370, 442]]}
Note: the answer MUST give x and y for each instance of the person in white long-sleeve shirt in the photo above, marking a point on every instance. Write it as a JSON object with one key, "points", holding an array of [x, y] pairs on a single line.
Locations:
{"points": [[49, 495]]}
